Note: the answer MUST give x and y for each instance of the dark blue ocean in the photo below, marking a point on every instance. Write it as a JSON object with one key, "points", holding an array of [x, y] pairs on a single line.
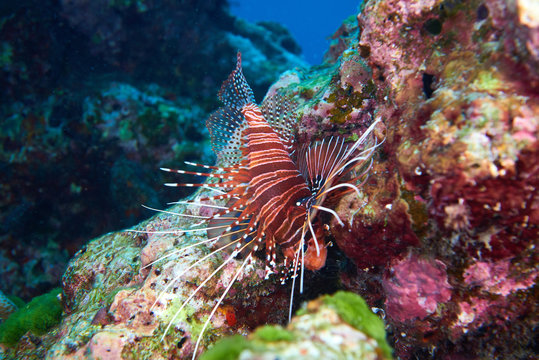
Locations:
{"points": [[310, 22]]}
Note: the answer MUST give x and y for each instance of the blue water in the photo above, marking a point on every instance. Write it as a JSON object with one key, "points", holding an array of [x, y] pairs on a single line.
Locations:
{"points": [[311, 22]]}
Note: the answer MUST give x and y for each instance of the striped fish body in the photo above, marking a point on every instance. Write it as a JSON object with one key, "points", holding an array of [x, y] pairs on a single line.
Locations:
{"points": [[266, 188], [277, 188], [273, 200]]}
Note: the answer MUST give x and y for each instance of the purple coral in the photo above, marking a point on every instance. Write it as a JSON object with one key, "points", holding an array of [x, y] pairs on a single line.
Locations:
{"points": [[415, 287]]}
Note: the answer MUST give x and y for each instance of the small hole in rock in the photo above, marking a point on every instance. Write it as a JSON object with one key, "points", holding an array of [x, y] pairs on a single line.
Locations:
{"points": [[181, 342], [482, 12], [428, 79], [433, 26], [364, 51]]}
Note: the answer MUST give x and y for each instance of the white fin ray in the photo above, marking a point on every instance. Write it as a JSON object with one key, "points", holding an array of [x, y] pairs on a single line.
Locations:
{"points": [[225, 292], [219, 268], [190, 246]]}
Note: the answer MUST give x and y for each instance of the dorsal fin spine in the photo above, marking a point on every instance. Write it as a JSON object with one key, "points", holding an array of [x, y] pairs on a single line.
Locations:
{"points": [[235, 92]]}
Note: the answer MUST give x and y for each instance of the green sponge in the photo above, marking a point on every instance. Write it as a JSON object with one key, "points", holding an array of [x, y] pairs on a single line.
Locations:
{"points": [[227, 349], [355, 311], [38, 316], [269, 333]]}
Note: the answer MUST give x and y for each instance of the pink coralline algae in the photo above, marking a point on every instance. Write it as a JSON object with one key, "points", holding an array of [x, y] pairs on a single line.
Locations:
{"points": [[525, 125], [415, 287], [491, 283], [496, 278]]}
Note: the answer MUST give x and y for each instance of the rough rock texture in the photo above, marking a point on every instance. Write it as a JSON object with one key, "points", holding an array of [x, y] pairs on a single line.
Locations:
{"points": [[459, 85], [110, 287], [441, 242], [414, 288]]}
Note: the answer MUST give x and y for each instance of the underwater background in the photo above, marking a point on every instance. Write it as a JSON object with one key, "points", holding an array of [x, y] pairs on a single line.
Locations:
{"points": [[311, 23], [96, 96]]}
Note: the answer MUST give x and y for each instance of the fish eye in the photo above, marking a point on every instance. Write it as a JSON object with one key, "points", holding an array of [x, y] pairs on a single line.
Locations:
{"points": [[302, 201]]}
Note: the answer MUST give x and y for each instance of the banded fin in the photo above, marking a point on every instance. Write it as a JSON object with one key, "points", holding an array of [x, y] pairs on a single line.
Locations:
{"points": [[235, 92], [281, 114], [325, 162], [227, 124], [318, 161], [226, 127]]}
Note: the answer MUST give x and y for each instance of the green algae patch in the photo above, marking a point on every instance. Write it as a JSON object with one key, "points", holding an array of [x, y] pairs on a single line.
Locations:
{"points": [[271, 333], [486, 80], [38, 316], [186, 315], [171, 312], [347, 100], [355, 311], [328, 317], [228, 348]]}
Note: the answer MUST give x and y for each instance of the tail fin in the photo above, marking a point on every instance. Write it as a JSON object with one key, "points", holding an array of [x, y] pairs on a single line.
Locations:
{"points": [[235, 92]]}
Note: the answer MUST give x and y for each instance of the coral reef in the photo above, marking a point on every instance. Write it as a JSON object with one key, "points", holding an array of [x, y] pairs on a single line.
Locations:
{"points": [[84, 87], [115, 297], [441, 242], [459, 81]]}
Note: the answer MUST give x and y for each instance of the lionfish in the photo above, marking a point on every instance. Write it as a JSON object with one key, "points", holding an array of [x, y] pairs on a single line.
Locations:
{"points": [[274, 189]]}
